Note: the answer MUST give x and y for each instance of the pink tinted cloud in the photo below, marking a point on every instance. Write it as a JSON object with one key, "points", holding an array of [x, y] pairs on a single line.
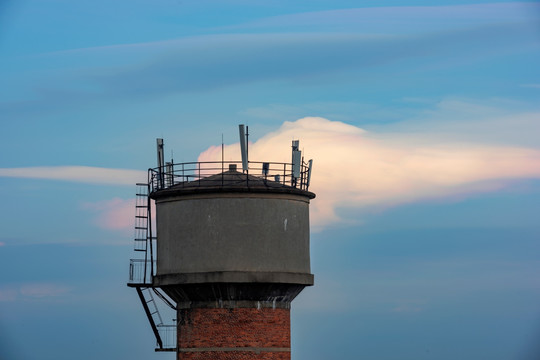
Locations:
{"points": [[114, 214], [41, 290], [32, 291], [361, 170]]}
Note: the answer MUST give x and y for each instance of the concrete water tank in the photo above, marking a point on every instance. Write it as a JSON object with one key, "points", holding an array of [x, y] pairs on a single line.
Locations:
{"points": [[233, 229]]}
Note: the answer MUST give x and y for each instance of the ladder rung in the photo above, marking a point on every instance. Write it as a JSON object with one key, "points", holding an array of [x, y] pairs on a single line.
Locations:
{"points": [[141, 194], [139, 239], [141, 217], [140, 228], [141, 206]]}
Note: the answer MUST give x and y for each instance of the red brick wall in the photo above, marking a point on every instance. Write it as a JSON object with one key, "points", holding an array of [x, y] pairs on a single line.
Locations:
{"points": [[234, 356], [231, 334]]}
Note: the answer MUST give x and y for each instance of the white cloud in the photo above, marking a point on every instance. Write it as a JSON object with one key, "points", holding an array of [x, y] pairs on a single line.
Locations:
{"points": [[493, 121], [8, 295], [362, 170], [535, 86], [41, 290], [32, 291], [84, 174], [114, 214]]}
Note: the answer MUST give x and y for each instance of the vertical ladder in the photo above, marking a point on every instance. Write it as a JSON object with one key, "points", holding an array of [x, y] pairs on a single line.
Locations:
{"points": [[141, 218], [143, 282], [143, 232]]}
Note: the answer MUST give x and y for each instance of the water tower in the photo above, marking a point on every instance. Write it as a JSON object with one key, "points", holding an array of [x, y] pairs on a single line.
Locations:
{"points": [[230, 254]]}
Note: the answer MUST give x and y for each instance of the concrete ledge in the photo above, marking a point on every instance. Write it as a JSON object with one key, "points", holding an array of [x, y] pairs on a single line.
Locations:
{"points": [[256, 350], [224, 194], [233, 277], [233, 304], [221, 293]]}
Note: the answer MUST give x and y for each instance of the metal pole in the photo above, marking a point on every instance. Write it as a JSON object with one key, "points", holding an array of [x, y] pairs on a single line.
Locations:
{"points": [[222, 156], [149, 238], [247, 155]]}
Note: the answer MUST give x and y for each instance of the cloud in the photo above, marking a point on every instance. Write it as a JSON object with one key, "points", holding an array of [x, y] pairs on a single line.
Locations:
{"points": [[407, 308], [114, 214], [32, 291], [217, 61], [534, 86], [495, 120], [41, 290], [402, 19], [359, 170], [84, 174], [8, 295]]}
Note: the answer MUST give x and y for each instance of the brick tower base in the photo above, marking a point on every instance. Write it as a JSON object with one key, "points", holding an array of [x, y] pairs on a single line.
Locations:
{"points": [[245, 333]]}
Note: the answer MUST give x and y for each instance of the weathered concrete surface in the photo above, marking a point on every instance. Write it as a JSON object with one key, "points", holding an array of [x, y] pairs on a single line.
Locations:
{"points": [[234, 277], [233, 232]]}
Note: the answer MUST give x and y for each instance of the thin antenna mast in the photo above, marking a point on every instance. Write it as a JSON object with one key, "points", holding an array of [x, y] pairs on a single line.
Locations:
{"points": [[296, 161], [243, 148], [222, 156], [161, 162], [310, 166]]}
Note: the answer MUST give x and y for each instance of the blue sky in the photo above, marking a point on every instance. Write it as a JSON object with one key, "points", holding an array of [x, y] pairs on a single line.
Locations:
{"points": [[422, 119]]}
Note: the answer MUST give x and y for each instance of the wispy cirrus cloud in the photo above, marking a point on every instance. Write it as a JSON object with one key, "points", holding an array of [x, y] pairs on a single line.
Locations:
{"points": [[402, 19], [534, 86], [83, 174], [113, 214], [216, 61], [360, 170], [32, 291]]}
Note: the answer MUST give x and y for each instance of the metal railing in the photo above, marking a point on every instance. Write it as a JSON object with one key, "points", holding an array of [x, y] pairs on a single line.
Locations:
{"points": [[139, 271], [188, 173], [167, 334]]}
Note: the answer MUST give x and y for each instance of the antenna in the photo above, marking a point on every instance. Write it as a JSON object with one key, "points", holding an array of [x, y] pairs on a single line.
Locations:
{"points": [[171, 170], [243, 147], [296, 161], [222, 156], [310, 165], [160, 161], [169, 173]]}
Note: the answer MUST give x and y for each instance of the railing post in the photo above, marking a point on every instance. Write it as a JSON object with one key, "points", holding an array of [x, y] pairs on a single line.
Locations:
{"points": [[149, 239]]}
